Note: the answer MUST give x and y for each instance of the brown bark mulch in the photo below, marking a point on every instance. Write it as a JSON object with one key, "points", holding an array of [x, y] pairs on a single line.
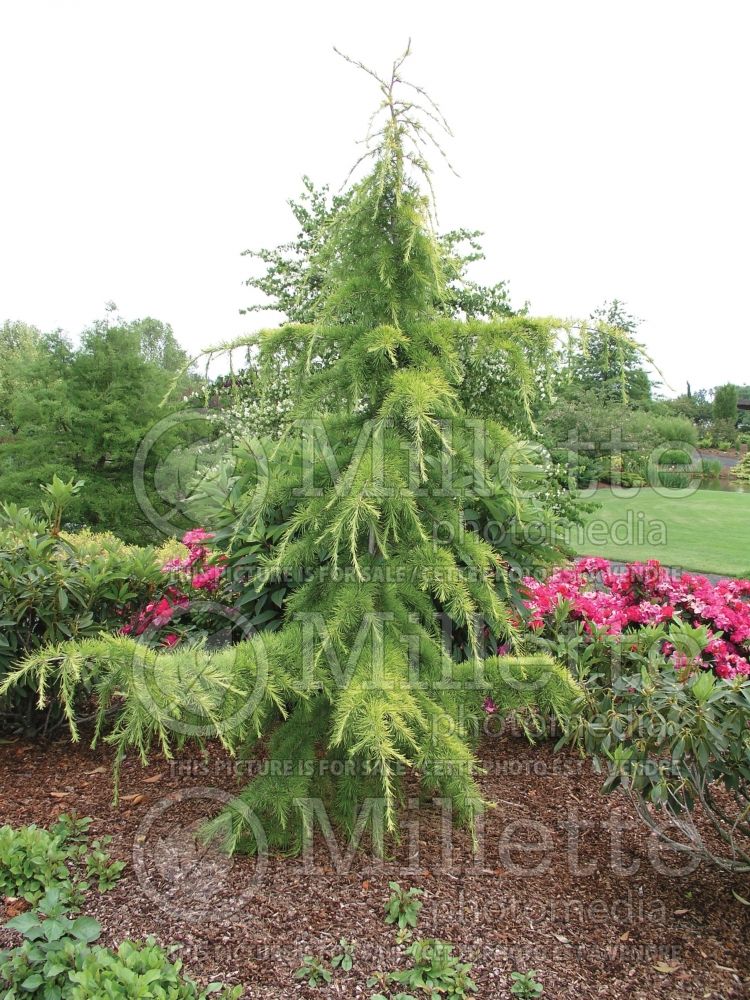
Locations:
{"points": [[565, 881]]}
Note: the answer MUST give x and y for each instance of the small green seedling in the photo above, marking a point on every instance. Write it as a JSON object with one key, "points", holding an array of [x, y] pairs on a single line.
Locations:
{"points": [[403, 906], [314, 970], [525, 985], [344, 959], [99, 866]]}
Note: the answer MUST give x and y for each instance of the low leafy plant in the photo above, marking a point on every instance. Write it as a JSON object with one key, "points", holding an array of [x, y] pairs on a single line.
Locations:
{"points": [[139, 970], [71, 828], [392, 996], [32, 860], [344, 959], [403, 906], [314, 971], [100, 867], [436, 970], [526, 985], [52, 947], [58, 960]]}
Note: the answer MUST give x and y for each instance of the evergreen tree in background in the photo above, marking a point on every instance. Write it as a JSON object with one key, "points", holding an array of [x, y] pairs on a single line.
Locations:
{"points": [[608, 361], [80, 412], [726, 398]]}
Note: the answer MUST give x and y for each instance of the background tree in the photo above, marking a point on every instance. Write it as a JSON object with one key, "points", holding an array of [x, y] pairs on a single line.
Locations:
{"points": [[80, 413], [723, 428], [608, 365], [695, 406], [20, 345], [725, 403]]}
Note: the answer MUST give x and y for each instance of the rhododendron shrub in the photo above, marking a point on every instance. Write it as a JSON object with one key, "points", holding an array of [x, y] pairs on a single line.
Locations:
{"points": [[56, 585], [673, 743], [665, 662], [603, 620]]}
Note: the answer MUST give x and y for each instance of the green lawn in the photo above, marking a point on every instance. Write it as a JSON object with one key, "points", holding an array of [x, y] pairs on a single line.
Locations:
{"points": [[707, 530]]}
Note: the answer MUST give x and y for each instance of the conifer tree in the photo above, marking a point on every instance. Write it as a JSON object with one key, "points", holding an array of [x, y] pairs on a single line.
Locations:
{"points": [[378, 470], [379, 467]]}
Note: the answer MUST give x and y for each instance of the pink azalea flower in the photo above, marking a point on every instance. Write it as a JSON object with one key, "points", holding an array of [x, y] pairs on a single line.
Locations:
{"points": [[196, 536], [645, 594], [208, 579]]}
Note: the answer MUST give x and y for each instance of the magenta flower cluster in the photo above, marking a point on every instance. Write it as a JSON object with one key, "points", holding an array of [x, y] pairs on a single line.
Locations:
{"points": [[193, 570], [616, 603], [193, 565]]}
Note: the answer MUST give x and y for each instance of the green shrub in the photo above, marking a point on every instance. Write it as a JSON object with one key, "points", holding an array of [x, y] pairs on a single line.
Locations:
{"points": [[741, 470], [138, 970], [612, 443], [672, 480], [56, 586], [675, 456], [33, 860], [674, 743], [710, 468]]}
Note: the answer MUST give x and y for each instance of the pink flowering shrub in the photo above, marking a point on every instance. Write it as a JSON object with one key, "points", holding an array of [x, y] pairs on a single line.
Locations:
{"points": [[665, 664], [171, 617], [592, 611]]}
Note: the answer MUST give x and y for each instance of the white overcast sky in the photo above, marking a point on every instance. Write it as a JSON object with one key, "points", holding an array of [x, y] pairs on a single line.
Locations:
{"points": [[601, 146]]}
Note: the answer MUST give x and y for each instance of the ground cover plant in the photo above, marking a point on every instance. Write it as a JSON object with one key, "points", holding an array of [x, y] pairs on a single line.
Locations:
{"points": [[34, 860], [59, 959]]}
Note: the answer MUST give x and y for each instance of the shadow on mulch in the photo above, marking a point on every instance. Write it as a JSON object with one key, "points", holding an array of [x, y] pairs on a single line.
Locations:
{"points": [[565, 881]]}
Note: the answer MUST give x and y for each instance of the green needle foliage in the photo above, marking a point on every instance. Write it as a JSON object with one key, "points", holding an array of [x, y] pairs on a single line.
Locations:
{"points": [[379, 667], [378, 468]]}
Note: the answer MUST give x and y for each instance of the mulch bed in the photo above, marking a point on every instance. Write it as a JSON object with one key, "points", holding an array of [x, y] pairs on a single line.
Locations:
{"points": [[566, 882]]}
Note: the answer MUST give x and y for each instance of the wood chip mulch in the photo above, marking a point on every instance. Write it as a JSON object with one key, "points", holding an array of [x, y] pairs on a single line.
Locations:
{"points": [[565, 882]]}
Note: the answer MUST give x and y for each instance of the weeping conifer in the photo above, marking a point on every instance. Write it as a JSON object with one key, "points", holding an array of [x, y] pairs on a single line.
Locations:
{"points": [[377, 470]]}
